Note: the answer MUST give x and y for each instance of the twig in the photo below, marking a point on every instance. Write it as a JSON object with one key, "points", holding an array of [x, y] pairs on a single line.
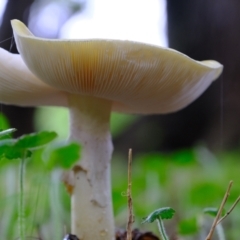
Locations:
{"points": [[129, 195], [229, 211], [215, 222]]}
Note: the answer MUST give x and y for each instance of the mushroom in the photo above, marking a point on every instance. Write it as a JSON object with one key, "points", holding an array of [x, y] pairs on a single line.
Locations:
{"points": [[93, 78]]}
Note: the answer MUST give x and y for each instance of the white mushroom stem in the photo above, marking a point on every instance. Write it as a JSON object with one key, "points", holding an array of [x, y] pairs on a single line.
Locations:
{"points": [[91, 213]]}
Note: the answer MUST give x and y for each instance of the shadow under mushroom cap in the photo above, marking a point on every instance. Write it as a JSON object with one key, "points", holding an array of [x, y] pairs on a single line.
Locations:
{"points": [[137, 77]]}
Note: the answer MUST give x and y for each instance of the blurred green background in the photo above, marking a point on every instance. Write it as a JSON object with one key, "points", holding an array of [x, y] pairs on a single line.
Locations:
{"points": [[188, 180]]}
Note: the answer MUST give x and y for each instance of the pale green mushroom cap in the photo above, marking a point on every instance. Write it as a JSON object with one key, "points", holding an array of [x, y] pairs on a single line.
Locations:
{"points": [[136, 77]]}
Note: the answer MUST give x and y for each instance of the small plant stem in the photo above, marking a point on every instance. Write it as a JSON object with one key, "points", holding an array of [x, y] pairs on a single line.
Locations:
{"points": [[129, 195], [215, 222], [21, 210], [163, 235], [229, 211]]}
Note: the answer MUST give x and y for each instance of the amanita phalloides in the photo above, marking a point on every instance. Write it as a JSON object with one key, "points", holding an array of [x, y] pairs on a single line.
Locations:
{"points": [[92, 78]]}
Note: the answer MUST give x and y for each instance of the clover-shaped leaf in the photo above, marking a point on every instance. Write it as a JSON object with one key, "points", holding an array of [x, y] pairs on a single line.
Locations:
{"points": [[161, 213], [9, 151], [22, 147], [35, 140]]}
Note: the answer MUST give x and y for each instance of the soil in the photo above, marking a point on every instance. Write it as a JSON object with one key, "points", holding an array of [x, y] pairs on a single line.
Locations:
{"points": [[122, 235], [136, 235]]}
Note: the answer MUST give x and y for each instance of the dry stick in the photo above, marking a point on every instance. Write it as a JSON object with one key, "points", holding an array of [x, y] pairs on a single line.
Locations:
{"points": [[129, 195], [215, 222], [229, 211]]}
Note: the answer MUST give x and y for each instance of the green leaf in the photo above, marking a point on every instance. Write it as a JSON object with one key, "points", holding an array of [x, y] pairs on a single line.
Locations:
{"points": [[34, 140], [212, 211], [163, 213], [3, 133], [17, 153], [4, 123], [64, 156], [7, 142], [188, 226], [20, 148], [6, 148], [11, 152]]}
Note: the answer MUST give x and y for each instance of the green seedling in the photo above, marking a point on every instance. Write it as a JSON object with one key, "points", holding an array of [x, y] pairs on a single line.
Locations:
{"points": [[58, 156], [158, 215], [21, 149]]}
